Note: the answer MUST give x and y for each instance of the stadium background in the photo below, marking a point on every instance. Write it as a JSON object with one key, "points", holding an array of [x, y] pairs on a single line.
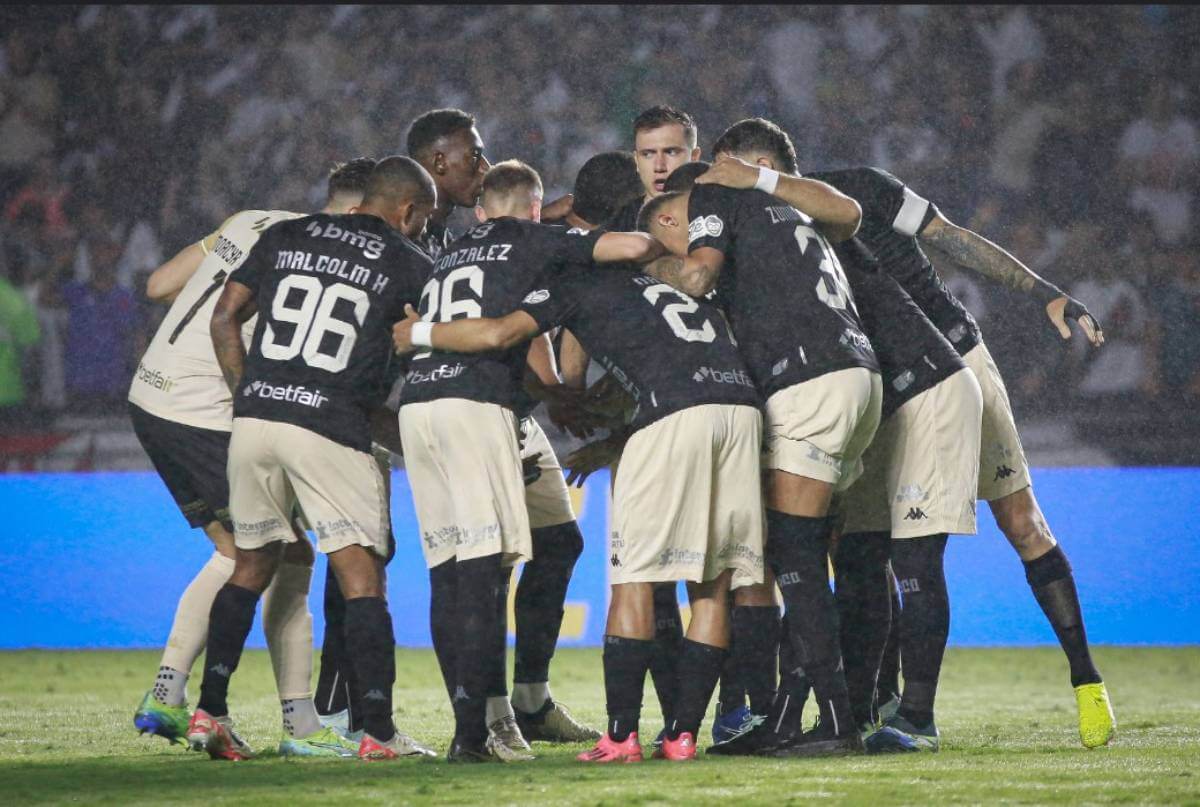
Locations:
{"points": [[1067, 135]]}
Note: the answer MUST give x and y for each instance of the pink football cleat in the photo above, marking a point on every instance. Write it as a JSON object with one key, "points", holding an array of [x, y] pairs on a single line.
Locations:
{"points": [[680, 749], [606, 750]]}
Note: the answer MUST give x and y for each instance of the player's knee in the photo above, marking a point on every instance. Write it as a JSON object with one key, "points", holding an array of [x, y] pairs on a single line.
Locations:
{"points": [[299, 553], [1026, 530], [255, 568]]}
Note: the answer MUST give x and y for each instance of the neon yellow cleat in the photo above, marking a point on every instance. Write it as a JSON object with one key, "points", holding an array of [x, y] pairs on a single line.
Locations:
{"points": [[325, 742], [1097, 725]]}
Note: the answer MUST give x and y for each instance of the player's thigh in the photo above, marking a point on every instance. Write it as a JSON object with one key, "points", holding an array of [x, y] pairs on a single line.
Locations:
{"points": [[1003, 468], [737, 531], [547, 497], [261, 500]]}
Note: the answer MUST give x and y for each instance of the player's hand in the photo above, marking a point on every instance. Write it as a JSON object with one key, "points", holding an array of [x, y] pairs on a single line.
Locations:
{"points": [[559, 208], [402, 331], [582, 462], [730, 172], [1060, 309]]}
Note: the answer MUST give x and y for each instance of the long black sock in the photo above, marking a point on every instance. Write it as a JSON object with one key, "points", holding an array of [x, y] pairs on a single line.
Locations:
{"points": [[787, 709], [731, 691], [1053, 586], [924, 621], [334, 681], [229, 623], [477, 628], [699, 666], [626, 662], [371, 648], [888, 684], [443, 620], [754, 650], [864, 611], [541, 593], [797, 549], [668, 633], [497, 685]]}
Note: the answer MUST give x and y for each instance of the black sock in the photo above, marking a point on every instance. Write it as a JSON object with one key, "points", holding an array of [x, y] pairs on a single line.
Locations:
{"points": [[888, 684], [229, 623], [334, 679], [731, 692], [497, 684], [477, 628], [668, 633], [797, 549], [1053, 586], [443, 620], [541, 592], [787, 709], [754, 650], [371, 647], [699, 666], [626, 662], [924, 621], [864, 611]]}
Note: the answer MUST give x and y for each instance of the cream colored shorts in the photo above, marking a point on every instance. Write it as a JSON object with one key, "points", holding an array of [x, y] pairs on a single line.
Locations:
{"points": [[464, 468], [1003, 468], [275, 467], [920, 471], [820, 428], [687, 502], [547, 498]]}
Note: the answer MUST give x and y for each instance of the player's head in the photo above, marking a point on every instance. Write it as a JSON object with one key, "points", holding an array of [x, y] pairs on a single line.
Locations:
{"points": [[510, 188], [401, 193], [347, 182], [685, 176], [758, 141], [605, 184], [664, 138], [447, 144], [665, 217]]}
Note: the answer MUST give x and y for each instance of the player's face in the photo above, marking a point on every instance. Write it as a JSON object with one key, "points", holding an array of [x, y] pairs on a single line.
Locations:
{"points": [[659, 152], [462, 178]]}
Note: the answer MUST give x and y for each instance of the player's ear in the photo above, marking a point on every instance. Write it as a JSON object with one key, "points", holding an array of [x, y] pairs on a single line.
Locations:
{"points": [[406, 212], [696, 153], [667, 220], [535, 209], [480, 214], [765, 162], [439, 162]]}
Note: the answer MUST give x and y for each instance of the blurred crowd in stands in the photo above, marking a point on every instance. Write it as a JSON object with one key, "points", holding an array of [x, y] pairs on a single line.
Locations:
{"points": [[1068, 135]]}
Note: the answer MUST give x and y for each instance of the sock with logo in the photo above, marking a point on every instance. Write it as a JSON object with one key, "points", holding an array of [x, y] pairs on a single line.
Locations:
{"points": [[755, 649], [497, 686], [335, 679], [541, 594], [668, 634], [477, 623], [229, 624], [699, 666], [798, 551], [626, 662], [1053, 585], [888, 684], [924, 621], [189, 631], [443, 620], [371, 646], [865, 613], [288, 626]]}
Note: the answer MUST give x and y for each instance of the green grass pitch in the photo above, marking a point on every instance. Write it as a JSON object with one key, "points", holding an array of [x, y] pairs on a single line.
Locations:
{"points": [[1007, 719]]}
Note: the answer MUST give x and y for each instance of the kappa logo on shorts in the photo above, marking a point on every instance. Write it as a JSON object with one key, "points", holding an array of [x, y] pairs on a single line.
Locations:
{"points": [[1003, 472], [615, 561], [915, 514]]}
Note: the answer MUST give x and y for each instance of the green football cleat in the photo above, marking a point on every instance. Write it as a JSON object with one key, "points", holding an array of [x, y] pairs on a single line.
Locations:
{"points": [[168, 722], [1097, 724], [325, 742]]}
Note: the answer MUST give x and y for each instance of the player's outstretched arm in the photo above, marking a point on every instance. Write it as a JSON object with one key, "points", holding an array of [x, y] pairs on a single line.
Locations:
{"points": [[235, 305], [627, 247], [464, 335], [165, 282], [694, 274], [971, 250], [837, 215]]}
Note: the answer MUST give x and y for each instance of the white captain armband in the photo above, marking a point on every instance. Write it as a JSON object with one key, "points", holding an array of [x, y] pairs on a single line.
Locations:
{"points": [[912, 214]]}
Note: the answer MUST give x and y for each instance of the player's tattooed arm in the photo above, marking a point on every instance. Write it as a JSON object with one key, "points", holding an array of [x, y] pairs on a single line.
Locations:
{"points": [[235, 305], [693, 274], [972, 251]]}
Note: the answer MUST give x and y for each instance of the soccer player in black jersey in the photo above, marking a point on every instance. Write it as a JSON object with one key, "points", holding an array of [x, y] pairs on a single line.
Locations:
{"points": [[327, 289], [894, 218], [796, 326], [459, 427]]}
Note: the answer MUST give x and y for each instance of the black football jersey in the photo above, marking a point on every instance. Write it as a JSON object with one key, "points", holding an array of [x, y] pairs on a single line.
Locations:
{"points": [[788, 301], [625, 219], [487, 273], [913, 355], [434, 239], [329, 288], [668, 350], [893, 217]]}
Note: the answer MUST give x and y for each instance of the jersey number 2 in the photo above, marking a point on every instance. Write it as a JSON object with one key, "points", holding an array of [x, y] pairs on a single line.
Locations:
{"points": [[673, 313], [314, 320]]}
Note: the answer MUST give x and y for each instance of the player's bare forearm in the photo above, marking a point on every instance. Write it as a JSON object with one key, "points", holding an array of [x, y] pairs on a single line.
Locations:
{"points": [[689, 276], [165, 282], [631, 247], [972, 251], [837, 214]]}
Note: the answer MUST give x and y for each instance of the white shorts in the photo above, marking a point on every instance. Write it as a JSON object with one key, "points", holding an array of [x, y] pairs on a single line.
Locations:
{"points": [[547, 497], [687, 502], [464, 468], [275, 467], [1003, 469], [820, 428], [920, 471]]}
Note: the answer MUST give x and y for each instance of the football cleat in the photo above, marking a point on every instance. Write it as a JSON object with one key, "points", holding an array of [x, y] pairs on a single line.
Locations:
{"points": [[781, 726], [681, 749], [734, 723], [818, 742], [498, 748], [216, 736], [506, 731], [657, 753], [325, 742], [338, 721], [554, 724], [168, 722], [461, 752], [1097, 724], [887, 707], [401, 745], [898, 736], [608, 750]]}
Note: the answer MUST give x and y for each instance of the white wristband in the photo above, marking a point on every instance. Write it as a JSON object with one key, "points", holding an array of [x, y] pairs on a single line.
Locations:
{"points": [[422, 334], [767, 179]]}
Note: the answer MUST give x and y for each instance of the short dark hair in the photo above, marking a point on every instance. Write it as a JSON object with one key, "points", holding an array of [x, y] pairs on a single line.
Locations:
{"points": [[605, 184], [652, 206], [761, 135], [433, 125], [684, 177], [663, 115], [397, 179], [349, 177], [510, 176]]}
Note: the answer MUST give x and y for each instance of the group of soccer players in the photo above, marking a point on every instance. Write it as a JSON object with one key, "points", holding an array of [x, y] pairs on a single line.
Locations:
{"points": [[787, 384]]}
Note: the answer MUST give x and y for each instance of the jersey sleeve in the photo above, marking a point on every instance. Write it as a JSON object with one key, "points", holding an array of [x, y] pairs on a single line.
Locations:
{"points": [[570, 246], [904, 210], [550, 303], [208, 242], [257, 262], [711, 210]]}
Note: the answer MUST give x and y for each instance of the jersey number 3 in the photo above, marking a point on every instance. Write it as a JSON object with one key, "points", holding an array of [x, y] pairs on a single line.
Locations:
{"points": [[314, 321]]}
